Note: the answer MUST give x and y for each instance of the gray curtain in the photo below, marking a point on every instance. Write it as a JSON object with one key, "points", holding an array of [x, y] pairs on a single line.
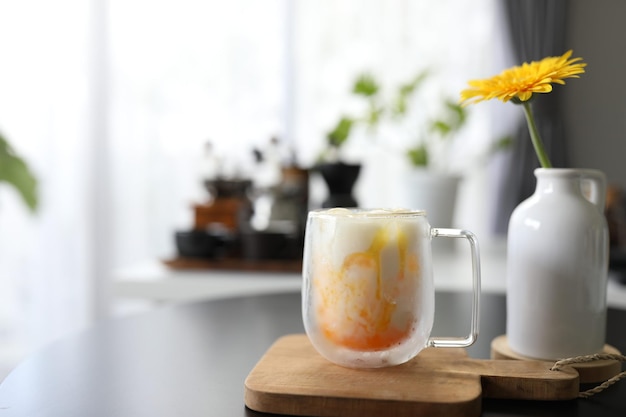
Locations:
{"points": [[537, 29]]}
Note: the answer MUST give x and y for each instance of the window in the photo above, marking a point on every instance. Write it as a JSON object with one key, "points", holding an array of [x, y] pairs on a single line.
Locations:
{"points": [[112, 102]]}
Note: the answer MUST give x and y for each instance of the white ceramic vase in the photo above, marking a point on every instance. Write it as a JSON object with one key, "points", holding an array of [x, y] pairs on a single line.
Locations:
{"points": [[557, 265]]}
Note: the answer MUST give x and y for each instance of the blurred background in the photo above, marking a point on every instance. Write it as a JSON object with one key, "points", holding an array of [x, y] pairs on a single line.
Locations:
{"points": [[112, 104]]}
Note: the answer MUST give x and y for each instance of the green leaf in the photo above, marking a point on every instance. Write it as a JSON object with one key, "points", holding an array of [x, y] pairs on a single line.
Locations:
{"points": [[441, 127], [410, 87], [400, 105], [340, 133], [418, 156], [15, 172], [503, 143], [374, 115], [366, 85], [454, 118], [405, 91]]}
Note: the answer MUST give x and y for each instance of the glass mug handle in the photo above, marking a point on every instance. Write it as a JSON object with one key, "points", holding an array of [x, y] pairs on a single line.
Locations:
{"points": [[473, 335]]}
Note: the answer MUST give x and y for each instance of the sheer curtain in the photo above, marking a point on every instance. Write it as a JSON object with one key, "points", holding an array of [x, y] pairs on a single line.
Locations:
{"points": [[46, 108], [112, 102]]}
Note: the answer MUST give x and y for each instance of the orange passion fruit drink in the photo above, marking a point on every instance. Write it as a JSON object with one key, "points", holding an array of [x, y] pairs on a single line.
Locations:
{"points": [[368, 296]]}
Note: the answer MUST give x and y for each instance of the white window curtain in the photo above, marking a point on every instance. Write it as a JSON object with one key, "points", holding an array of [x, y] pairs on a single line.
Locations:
{"points": [[111, 102]]}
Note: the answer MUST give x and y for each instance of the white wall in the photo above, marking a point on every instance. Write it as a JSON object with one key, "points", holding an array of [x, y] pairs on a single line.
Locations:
{"points": [[595, 105]]}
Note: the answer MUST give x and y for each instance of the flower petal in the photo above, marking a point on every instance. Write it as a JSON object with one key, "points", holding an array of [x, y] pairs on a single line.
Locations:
{"points": [[522, 81]]}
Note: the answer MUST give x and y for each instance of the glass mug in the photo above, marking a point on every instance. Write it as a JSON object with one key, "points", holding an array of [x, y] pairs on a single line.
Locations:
{"points": [[368, 298]]}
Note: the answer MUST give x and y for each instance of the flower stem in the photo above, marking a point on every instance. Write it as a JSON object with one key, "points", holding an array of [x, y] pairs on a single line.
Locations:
{"points": [[534, 136]]}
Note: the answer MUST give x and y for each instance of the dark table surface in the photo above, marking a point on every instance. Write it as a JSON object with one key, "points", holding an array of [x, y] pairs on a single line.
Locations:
{"points": [[192, 359]]}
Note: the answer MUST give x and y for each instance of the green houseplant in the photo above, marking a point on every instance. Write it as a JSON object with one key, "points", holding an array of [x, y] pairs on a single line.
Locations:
{"points": [[339, 175], [428, 129], [396, 110], [15, 172], [377, 109], [406, 113]]}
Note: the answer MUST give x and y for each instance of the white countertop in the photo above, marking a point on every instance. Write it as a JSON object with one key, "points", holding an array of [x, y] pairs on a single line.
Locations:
{"points": [[154, 281]]}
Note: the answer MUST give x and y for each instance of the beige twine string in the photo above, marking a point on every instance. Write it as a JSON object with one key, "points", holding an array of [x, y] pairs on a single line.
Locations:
{"points": [[590, 358]]}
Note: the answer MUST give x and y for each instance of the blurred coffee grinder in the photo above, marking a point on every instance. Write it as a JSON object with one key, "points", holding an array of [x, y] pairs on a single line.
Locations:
{"points": [[257, 219], [219, 219], [280, 199]]}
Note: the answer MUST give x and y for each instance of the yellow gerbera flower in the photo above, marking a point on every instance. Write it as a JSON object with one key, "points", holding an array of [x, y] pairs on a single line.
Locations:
{"points": [[522, 81]]}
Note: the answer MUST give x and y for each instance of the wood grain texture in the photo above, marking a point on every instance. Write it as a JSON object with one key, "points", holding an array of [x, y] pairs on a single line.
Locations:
{"points": [[591, 372], [292, 378], [235, 264]]}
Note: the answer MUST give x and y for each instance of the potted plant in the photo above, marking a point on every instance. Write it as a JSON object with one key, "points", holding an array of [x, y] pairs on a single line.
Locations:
{"points": [[339, 175], [430, 184], [15, 172]]}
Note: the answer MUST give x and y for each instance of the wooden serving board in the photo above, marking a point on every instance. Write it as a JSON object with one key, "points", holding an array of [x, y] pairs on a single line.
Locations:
{"points": [[292, 378], [588, 373]]}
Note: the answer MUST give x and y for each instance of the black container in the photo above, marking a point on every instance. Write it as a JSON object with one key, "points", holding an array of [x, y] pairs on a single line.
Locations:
{"points": [[270, 245], [340, 179], [200, 244]]}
